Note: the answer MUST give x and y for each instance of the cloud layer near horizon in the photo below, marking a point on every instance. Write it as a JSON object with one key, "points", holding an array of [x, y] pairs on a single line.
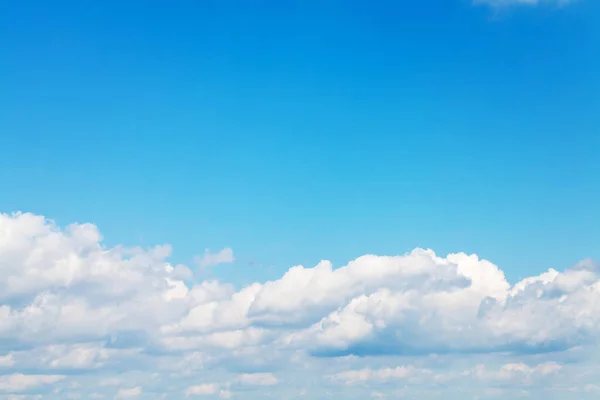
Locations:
{"points": [[78, 318]]}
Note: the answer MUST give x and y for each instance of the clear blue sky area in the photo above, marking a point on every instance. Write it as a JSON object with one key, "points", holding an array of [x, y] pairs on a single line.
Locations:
{"points": [[294, 131]]}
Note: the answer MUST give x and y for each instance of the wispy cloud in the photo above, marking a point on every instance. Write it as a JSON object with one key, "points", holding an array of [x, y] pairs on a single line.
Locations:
{"points": [[507, 3], [209, 258]]}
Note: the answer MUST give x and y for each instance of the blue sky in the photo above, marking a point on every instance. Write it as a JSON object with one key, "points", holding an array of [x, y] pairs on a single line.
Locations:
{"points": [[297, 131]]}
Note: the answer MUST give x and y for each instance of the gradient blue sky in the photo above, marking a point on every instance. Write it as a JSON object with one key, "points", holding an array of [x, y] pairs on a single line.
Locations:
{"points": [[294, 131], [283, 133]]}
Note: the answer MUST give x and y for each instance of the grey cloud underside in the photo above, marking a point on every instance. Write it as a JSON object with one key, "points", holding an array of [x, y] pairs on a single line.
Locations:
{"points": [[69, 304]]}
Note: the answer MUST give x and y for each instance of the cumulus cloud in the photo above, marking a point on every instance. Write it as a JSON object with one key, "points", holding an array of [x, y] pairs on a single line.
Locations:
{"points": [[553, 312], [74, 311]]}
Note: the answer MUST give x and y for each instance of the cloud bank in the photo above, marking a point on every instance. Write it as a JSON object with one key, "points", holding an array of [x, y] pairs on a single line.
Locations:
{"points": [[78, 318]]}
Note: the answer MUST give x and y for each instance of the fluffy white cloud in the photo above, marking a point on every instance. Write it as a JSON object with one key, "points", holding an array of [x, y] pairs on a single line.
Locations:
{"points": [[75, 314], [555, 311]]}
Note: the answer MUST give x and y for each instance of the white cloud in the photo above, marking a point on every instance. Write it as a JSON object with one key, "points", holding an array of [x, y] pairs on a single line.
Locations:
{"points": [[258, 379], [204, 389], [20, 382], [487, 315], [514, 372], [7, 360], [69, 303], [65, 356], [352, 377], [110, 382], [80, 356], [590, 387], [24, 397], [127, 393], [209, 259]]}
